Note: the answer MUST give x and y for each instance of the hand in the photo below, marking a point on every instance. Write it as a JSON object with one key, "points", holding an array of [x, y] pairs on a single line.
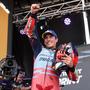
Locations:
{"points": [[35, 8], [67, 59], [59, 54]]}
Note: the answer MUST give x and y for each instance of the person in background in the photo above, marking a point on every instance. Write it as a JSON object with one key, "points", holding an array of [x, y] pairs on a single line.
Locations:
{"points": [[20, 82], [44, 76]]}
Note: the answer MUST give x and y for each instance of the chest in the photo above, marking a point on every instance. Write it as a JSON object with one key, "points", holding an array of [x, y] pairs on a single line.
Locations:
{"points": [[45, 56]]}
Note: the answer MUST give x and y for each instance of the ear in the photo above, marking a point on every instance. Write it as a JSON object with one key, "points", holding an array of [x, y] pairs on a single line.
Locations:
{"points": [[56, 40]]}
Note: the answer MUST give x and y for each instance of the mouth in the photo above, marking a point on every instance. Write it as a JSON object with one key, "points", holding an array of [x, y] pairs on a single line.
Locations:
{"points": [[49, 43]]}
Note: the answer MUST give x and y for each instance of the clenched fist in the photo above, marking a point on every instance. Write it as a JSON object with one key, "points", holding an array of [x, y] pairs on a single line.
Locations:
{"points": [[35, 8]]}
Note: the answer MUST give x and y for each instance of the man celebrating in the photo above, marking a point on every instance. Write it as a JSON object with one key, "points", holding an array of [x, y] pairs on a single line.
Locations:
{"points": [[44, 76]]}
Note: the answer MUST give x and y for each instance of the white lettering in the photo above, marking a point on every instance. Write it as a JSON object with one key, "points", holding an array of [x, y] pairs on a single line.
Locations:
{"points": [[79, 77], [64, 80]]}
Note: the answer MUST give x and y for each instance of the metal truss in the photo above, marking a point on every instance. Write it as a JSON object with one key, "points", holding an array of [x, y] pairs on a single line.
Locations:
{"points": [[54, 10]]}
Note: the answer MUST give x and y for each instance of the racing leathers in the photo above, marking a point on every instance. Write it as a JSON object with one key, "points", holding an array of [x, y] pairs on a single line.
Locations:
{"points": [[44, 76]]}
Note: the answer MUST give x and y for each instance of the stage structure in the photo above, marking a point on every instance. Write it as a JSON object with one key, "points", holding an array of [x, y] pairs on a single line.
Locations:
{"points": [[51, 11], [58, 10]]}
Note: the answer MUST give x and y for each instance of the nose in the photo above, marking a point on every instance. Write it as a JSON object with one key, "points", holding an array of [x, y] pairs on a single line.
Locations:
{"points": [[48, 39]]}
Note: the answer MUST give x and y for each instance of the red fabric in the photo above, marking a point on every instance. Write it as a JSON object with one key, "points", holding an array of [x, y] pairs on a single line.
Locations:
{"points": [[29, 26], [73, 75], [39, 82], [75, 60]]}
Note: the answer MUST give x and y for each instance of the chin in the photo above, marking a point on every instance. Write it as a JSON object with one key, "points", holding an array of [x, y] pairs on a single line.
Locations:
{"points": [[49, 46]]}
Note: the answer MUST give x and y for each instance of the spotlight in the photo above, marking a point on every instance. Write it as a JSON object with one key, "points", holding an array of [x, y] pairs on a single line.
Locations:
{"points": [[67, 21]]}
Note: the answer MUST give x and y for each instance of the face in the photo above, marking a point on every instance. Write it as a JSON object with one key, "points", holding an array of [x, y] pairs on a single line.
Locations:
{"points": [[20, 76], [50, 41]]}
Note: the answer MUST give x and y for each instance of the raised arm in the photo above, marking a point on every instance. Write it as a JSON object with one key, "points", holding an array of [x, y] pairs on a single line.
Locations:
{"points": [[31, 29], [32, 20]]}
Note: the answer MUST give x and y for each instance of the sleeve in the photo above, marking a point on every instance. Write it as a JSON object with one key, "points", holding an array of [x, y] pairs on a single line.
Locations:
{"points": [[72, 75], [32, 32], [29, 27]]}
